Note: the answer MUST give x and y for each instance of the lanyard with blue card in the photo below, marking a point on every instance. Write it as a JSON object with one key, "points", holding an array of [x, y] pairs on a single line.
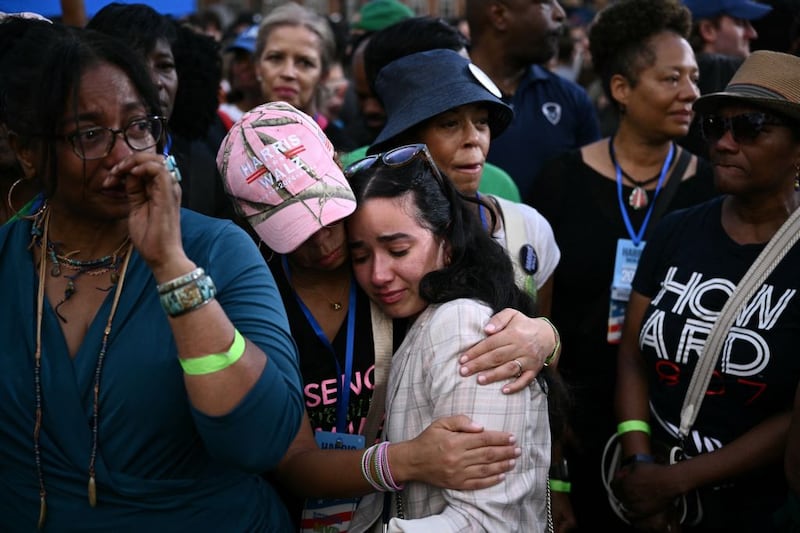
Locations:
{"points": [[333, 515], [328, 514], [627, 256]]}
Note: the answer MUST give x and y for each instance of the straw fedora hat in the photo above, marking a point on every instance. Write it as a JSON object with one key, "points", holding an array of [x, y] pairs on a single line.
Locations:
{"points": [[768, 80]]}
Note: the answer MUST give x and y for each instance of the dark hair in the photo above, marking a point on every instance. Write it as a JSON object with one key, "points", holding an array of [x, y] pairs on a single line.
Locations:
{"points": [[479, 267], [22, 41], [409, 36], [42, 73], [202, 20], [198, 64], [620, 37], [139, 25], [475, 12], [695, 38]]}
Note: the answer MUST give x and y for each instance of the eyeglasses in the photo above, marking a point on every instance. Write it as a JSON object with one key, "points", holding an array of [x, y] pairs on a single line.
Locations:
{"points": [[744, 128], [97, 142], [397, 157]]}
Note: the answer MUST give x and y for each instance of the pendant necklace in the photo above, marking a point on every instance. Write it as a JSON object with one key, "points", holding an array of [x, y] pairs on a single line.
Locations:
{"points": [[92, 267], [335, 305], [638, 198], [37, 373]]}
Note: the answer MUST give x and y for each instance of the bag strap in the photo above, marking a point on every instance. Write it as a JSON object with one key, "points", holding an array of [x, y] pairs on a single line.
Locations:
{"points": [[516, 238], [772, 254], [668, 192], [382, 334]]}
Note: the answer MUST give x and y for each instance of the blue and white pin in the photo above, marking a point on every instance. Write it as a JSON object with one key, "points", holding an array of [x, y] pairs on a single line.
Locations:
{"points": [[172, 168]]}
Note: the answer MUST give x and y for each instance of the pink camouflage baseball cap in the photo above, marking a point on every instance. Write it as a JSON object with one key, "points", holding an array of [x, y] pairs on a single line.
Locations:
{"points": [[278, 167]]}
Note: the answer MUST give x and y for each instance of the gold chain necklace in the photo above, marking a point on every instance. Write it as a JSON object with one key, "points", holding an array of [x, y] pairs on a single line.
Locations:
{"points": [[335, 305]]}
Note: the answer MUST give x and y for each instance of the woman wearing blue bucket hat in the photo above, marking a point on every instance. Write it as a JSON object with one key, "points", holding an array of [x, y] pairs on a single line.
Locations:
{"points": [[441, 99]]}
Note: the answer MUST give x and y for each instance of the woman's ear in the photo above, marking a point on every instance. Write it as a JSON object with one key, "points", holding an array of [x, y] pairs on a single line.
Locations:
{"points": [[620, 89], [446, 254], [26, 154]]}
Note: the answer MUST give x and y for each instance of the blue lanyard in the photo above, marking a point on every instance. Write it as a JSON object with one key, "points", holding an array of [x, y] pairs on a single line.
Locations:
{"points": [[637, 237], [342, 381], [481, 213]]}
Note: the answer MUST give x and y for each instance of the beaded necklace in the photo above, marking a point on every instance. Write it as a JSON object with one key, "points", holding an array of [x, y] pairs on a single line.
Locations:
{"points": [[91, 267], [37, 373]]}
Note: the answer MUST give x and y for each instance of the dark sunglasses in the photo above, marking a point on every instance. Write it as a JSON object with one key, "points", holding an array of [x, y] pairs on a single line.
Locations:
{"points": [[397, 157], [743, 128]]}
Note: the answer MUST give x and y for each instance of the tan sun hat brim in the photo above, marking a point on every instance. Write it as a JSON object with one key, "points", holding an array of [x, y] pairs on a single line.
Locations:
{"points": [[766, 79]]}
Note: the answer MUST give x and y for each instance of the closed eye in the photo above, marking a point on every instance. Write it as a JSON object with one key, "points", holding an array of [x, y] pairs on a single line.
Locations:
{"points": [[358, 259]]}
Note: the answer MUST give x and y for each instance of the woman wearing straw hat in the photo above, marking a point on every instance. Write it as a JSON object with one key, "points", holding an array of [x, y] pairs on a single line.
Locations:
{"points": [[687, 272]]}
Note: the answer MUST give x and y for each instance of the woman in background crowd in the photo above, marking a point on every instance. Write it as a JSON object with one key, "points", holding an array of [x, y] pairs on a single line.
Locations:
{"points": [[457, 130], [603, 202], [154, 36], [295, 51], [690, 267]]}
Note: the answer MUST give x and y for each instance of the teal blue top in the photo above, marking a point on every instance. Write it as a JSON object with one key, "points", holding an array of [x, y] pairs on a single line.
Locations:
{"points": [[162, 466], [30, 207]]}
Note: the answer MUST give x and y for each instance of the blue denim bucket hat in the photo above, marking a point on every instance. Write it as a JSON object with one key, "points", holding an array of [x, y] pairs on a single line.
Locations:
{"points": [[420, 86]]}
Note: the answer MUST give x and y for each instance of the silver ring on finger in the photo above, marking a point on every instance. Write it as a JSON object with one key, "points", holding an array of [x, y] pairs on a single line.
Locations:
{"points": [[520, 370]]}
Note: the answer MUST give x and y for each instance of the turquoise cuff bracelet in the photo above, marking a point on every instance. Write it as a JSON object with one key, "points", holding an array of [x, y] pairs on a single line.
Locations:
{"points": [[189, 296], [180, 281]]}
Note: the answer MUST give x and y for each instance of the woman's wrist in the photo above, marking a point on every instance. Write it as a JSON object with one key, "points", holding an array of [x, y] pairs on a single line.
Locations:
{"points": [[172, 269], [398, 454], [552, 358]]}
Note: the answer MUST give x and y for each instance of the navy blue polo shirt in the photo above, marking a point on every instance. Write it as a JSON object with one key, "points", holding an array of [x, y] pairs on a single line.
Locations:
{"points": [[551, 115]]}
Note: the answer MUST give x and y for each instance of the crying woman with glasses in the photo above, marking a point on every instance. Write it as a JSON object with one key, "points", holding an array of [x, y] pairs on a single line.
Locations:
{"points": [[147, 372], [688, 270]]}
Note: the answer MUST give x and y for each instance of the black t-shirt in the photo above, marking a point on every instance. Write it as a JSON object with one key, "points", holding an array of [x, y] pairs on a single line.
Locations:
{"points": [[584, 212], [319, 372], [317, 363], [582, 207], [202, 189], [688, 269]]}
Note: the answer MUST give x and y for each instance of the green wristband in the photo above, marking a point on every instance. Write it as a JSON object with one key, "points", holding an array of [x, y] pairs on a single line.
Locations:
{"points": [[633, 425], [208, 364], [558, 485]]}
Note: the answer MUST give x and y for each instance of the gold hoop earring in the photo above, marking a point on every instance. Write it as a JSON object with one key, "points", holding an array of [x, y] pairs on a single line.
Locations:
{"points": [[797, 177], [15, 212]]}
